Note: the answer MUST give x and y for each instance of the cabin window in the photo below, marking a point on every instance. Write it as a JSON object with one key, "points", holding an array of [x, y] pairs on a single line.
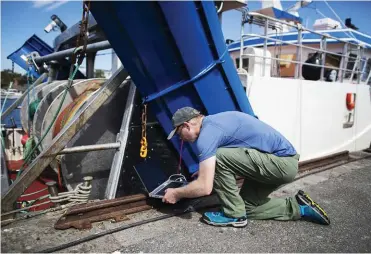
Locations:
{"points": [[287, 68], [331, 61], [245, 63]]}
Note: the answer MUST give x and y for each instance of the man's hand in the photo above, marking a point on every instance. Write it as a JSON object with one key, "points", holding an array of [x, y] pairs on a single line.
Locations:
{"points": [[170, 196], [202, 186]]}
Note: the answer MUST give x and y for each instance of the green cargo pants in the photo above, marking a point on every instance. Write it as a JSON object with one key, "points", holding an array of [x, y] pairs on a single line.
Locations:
{"points": [[263, 174]]}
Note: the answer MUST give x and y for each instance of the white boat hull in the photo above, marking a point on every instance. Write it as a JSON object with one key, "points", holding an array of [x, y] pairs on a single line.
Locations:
{"points": [[313, 115]]}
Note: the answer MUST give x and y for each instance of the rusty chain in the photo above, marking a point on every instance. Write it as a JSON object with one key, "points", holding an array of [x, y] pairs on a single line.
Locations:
{"points": [[78, 54], [143, 141], [82, 39]]}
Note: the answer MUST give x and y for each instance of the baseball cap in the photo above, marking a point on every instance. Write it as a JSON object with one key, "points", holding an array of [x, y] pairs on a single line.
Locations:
{"points": [[182, 115]]}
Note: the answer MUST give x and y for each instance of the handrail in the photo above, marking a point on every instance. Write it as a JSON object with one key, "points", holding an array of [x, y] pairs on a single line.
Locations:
{"points": [[346, 58], [303, 63], [300, 27], [297, 45]]}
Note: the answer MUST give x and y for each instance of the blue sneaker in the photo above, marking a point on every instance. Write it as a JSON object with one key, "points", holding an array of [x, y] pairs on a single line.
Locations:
{"points": [[310, 210], [219, 219]]}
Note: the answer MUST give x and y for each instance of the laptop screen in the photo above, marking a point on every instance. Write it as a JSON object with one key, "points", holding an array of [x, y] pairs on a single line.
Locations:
{"points": [[150, 174]]}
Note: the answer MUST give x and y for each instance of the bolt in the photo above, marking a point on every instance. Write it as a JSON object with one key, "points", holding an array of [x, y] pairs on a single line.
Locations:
{"points": [[87, 180]]}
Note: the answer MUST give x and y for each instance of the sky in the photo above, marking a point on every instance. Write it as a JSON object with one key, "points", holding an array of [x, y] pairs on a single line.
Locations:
{"points": [[21, 19]]}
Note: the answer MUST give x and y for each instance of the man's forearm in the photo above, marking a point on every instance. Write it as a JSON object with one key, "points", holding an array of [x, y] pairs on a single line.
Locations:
{"points": [[194, 189]]}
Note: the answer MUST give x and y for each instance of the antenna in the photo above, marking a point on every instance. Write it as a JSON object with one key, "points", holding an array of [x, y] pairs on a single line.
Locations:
{"points": [[300, 4]]}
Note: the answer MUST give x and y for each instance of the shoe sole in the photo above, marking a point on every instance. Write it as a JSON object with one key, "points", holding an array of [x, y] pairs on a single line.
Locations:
{"points": [[239, 224], [307, 200]]}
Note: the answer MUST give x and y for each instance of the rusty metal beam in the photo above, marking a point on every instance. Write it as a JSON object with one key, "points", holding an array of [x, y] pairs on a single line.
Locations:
{"points": [[82, 215], [83, 208], [118, 213], [61, 140], [323, 161]]}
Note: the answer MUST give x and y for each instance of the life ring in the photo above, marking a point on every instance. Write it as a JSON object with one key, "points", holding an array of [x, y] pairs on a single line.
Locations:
{"points": [[351, 101]]}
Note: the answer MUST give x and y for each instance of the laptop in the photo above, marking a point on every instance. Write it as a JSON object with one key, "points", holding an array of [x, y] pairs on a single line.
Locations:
{"points": [[155, 181]]}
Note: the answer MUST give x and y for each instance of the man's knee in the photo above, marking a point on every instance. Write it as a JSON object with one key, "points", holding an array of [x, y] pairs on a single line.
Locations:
{"points": [[290, 173]]}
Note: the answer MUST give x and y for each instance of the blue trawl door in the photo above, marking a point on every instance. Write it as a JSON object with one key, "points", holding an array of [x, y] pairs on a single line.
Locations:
{"points": [[176, 55], [35, 44]]}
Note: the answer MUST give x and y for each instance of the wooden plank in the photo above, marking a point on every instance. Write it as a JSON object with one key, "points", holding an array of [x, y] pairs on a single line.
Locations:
{"points": [[61, 140]]}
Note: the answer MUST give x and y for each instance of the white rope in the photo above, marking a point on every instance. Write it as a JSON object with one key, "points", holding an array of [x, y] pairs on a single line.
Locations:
{"points": [[318, 11], [221, 7], [26, 208], [29, 194], [79, 195]]}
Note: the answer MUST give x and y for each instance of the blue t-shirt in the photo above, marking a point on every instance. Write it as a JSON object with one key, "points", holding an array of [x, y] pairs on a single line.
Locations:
{"points": [[237, 129]]}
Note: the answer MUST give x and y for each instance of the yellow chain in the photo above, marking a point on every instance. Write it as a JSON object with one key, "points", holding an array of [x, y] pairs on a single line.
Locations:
{"points": [[143, 141]]}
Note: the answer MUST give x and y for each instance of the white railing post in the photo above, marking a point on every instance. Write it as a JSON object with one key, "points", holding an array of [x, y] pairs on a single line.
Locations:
{"points": [[368, 77], [241, 41], [360, 71], [265, 44], [342, 62], [323, 56], [298, 65], [355, 65]]}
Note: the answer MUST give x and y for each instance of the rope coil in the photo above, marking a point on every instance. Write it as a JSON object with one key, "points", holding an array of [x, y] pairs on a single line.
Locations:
{"points": [[79, 195]]}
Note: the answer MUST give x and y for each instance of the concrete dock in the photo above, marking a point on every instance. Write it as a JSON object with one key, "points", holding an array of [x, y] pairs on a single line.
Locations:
{"points": [[344, 192]]}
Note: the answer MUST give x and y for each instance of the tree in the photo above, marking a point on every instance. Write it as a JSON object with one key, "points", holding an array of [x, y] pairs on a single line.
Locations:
{"points": [[99, 73], [8, 76]]}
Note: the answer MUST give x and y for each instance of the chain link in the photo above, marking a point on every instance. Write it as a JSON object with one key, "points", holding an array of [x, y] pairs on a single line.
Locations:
{"points": [[81, 43], [82, 39], [143, 141], [144, 121]]}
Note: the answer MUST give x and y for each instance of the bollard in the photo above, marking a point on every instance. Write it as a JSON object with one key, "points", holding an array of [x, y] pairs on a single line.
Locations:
{"points": [[87, 181], [53, 191]]}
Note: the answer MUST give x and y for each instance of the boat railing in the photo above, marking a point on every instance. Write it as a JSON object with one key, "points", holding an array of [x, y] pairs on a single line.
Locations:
{"points": [[269, 22]]}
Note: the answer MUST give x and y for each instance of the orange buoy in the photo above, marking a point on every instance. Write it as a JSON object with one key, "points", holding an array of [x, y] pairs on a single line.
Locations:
{"points": [[24, 139], [351, 101]]}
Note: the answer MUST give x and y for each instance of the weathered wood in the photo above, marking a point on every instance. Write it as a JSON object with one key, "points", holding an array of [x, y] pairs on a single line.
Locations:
{"points": [[61, 140]]}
